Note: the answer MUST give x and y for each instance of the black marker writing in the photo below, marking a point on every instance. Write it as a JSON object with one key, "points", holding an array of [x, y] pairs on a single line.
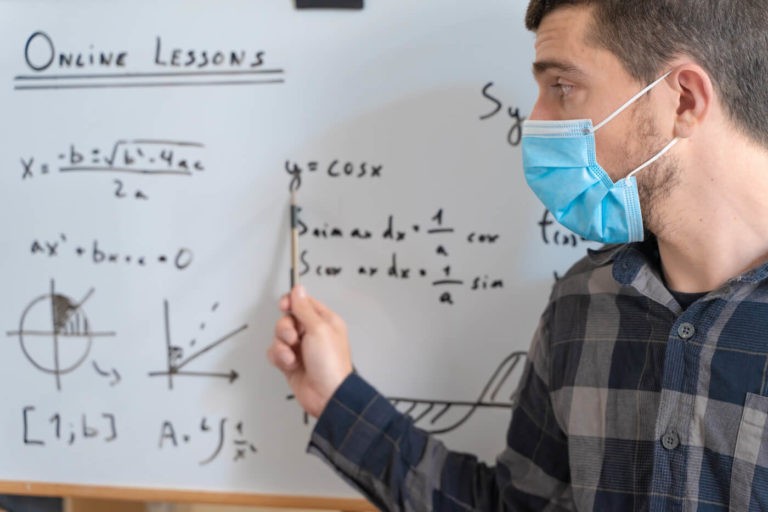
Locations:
{"points": [[95, 68], [200, 59], [65, 319], [336, 169], [113, 375], [97, 253], [134, 159], [177, 359], [40, 54], [499, 392], [497, 105], [28, 409], [68, 431], [554, 234], [216, 431], [398, 232], [515, 132], [442, 416]]}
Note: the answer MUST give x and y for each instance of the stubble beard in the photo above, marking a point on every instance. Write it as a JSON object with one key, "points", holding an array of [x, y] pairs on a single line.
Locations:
{"points": [[656, 182]]}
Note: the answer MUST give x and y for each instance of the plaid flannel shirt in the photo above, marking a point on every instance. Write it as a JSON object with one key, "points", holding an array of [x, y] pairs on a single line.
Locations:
{"points": [[627, 403]]}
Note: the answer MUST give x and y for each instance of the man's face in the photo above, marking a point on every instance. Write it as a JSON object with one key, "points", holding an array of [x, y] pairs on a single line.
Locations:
{"points": [[579, 80]]}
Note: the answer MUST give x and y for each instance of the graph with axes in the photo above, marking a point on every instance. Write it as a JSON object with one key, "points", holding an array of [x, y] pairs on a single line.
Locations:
{"points": [[178, 360], [442, 416]]}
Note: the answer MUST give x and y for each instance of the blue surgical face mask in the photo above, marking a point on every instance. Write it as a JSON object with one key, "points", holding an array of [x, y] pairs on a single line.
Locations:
{"points": [[560, 165]]}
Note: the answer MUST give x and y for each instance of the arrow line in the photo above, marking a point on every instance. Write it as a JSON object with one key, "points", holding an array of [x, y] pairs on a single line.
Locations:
{"points": [[232, 375]]}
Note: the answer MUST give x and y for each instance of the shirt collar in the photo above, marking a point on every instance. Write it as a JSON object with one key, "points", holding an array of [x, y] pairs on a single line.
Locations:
{"points": [[752, 276], [627, 260], [638, 265]]}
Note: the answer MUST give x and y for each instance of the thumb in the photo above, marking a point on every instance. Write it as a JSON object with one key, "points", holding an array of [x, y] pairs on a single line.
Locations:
{"points": [[302, 308]]}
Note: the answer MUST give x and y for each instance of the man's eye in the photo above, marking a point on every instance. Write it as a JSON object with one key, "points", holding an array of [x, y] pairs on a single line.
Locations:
{"points": [[562, 90]]}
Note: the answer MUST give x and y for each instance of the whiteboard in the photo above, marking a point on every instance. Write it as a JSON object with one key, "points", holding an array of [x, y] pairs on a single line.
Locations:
{"points": [[148, 152]]}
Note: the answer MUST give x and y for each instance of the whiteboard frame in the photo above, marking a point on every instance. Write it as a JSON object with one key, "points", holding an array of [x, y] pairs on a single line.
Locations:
{"points": [[183, 496]]}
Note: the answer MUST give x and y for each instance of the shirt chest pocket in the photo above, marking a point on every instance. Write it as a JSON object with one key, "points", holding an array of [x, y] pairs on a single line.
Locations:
{"points": [[749, 476]]}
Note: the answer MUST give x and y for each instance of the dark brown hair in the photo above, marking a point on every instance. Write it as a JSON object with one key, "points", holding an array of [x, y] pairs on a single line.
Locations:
{"points": [[728, 38]]}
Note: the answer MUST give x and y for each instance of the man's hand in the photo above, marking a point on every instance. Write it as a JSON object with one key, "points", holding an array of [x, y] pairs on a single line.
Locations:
{"points": [[311, 348]]}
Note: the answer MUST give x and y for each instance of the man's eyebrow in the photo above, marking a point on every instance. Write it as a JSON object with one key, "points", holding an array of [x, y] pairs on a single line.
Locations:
{"points": [[542, 66]]}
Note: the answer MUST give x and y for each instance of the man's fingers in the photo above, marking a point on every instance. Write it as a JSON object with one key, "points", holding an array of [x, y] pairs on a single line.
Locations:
{"points": [[321, 308], [327, 314], [282, 356], [286, 331], [285, 303], [303, 308]]}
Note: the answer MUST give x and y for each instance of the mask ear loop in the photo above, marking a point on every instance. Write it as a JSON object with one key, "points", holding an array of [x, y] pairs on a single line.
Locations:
{"points": [[658, 155], [630, 102]]}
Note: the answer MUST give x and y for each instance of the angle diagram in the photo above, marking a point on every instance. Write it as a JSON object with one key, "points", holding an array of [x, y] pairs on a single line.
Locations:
{"points": [[176, 360]]}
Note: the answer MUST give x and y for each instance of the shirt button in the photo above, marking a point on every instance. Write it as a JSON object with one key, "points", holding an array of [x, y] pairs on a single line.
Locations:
{"points": [[670, 440], [686, 330]]}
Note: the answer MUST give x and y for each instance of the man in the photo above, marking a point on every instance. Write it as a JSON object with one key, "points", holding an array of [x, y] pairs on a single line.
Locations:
{"points": [[647, 386]]}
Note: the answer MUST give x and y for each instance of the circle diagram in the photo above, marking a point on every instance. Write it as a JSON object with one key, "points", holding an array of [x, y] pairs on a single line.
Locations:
{"points": [[55, 334]]}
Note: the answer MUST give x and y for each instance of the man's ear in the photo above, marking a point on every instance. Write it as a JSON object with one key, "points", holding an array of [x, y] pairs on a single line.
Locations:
{"points": [[694, 96]]}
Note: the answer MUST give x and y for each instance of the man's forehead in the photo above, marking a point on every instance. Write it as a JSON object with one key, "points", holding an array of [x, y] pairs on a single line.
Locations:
{"points": [[563, 29], [565, 43]]}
